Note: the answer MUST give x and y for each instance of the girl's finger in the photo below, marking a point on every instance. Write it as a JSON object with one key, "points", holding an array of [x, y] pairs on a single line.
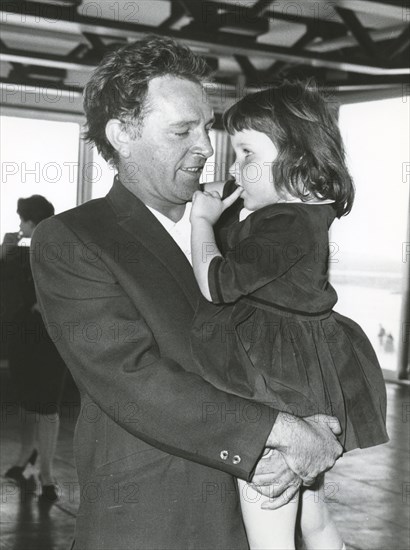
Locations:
{"points": [[196, 195], [232, 198]]}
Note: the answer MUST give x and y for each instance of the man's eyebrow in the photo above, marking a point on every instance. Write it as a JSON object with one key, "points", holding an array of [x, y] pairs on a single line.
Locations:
{"points": [[183, 123], [190, 122]]}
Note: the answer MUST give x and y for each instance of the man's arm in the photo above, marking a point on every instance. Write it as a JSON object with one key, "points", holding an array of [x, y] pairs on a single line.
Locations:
{"points": [[114, 358]]}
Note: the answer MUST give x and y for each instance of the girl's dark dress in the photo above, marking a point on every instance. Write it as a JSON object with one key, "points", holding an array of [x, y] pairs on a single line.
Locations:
{"points": [[276, 338], [36, 368]]}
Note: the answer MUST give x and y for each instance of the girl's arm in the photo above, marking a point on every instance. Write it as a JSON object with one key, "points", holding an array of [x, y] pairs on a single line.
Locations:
{"points": [[204, 249], [207, 207], [275, 245]]}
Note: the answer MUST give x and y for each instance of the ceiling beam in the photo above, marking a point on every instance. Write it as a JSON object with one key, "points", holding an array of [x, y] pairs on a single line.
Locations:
{"points": [[96, 43], [251, 74], [42, 60], [9, 86], [271, 12], [200, 41], [178, 10], [400, 44], [260, 7], [225, 47], [233, 18], [385, 8], [349, 41], [359, 32], [300, 44], [79, 51]]}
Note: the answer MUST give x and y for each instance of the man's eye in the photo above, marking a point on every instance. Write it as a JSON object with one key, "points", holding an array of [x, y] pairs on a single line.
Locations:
{"points": [[182, 133]]}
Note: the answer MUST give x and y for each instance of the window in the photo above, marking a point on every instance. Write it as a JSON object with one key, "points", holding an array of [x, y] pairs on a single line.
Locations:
{"points": [[369, 255], [38, 157]]}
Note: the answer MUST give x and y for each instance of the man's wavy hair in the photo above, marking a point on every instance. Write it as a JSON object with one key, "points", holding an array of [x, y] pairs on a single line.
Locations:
{"points": [[119, 86], [303, 127]]}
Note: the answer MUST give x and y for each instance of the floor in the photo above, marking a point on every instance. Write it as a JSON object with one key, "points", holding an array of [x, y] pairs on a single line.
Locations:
{"points": [[368, 491]]}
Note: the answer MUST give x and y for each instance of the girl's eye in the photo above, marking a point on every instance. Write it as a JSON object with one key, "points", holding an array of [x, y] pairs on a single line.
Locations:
{"points": [[247, 152]]}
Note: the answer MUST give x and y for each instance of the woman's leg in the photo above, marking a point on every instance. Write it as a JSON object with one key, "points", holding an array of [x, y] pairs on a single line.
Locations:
{"points": [[48, 428], [319, 532], [28, 428], [267, 529]]}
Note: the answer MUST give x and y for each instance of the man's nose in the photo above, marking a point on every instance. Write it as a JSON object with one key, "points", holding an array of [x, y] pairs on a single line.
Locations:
{"points": [[203, 146]]}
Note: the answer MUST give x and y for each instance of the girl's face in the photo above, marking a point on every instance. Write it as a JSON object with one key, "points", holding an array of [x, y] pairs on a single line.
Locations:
{"points": [[252, 169]]}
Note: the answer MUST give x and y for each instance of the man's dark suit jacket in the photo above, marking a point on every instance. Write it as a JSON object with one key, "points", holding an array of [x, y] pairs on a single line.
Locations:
{"points": [[156, 446]]}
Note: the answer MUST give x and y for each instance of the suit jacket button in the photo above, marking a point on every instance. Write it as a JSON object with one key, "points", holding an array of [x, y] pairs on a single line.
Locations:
{"points": [[224, 455], [236, 459]]}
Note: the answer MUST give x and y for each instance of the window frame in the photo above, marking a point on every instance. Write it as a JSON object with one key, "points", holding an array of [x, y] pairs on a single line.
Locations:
{"points": [[83, 192]]}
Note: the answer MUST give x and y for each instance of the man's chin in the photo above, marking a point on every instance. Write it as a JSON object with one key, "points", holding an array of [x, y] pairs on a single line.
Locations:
{"points": [[189, 191]]}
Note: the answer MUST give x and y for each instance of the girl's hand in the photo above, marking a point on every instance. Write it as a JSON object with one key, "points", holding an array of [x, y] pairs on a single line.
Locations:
{"points": [[209, 206], [206, 205]]}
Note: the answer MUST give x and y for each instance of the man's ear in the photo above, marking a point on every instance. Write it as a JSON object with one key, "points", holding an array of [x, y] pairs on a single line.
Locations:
{"points": [[118, 137]]}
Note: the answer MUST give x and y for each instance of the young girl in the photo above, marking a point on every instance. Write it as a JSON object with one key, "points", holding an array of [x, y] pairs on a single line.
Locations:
{"points": [[270, 333]]}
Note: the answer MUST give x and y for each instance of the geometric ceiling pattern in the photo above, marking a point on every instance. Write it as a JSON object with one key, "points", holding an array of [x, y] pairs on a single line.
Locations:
{"points": [[345, 44]]}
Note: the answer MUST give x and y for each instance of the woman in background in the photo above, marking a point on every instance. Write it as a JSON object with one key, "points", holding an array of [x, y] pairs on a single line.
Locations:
{"points": [[36, 369]]}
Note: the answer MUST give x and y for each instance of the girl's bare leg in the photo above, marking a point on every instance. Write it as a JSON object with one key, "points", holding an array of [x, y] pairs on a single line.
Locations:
{"points": [[28, 436], [267, 529], [318, 529]]}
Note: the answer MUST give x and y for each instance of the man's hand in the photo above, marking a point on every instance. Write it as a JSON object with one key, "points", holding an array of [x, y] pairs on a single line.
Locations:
{"points": [[274, 479], [308, 445]]}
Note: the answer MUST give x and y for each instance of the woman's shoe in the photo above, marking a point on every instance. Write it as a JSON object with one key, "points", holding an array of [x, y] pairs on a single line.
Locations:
{"points": [[16, 472], [49, 493]]}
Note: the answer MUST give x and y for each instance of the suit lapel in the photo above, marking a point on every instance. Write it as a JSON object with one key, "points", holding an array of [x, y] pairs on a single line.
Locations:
{"points": [[135, 218]]}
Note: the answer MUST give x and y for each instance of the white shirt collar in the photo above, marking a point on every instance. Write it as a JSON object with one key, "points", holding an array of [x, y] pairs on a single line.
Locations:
{"points": [[167, 222], [180, 231]]}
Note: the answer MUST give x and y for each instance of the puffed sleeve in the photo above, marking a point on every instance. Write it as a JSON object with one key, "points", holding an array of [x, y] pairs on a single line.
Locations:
{"points": [[272, 247]]}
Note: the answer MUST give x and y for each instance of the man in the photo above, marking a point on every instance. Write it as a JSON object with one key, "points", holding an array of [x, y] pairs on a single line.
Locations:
{"points": [[156, 446]]}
